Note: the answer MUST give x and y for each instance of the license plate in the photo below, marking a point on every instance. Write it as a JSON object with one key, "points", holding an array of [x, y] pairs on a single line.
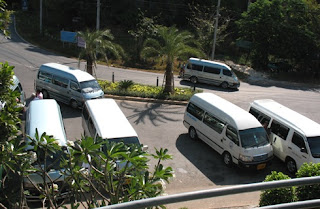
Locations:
{"points": [[261, 166]]}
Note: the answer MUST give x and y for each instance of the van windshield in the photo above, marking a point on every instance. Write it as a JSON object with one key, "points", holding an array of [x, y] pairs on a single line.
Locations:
{"points": [[53, 160], [126, 140], [89, 86], [314, 144], [254, 137]]}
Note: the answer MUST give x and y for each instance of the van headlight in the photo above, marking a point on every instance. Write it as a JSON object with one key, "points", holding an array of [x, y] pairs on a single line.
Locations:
{"points": [[245, 158]]}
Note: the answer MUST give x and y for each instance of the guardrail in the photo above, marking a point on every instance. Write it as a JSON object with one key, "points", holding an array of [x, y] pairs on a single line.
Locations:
{"points": [[202, 194]]}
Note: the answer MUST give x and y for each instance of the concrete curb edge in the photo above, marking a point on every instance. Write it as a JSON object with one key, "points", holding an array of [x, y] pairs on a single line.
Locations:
{"points": [[140, 99]]}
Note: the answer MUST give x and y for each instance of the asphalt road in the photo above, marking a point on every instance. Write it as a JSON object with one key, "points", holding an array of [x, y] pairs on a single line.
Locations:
{"points": [[158, 125]]}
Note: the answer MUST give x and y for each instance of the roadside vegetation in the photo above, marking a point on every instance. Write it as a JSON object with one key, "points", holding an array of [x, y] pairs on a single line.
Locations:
{"points": [[129, 88], [280, 37]]}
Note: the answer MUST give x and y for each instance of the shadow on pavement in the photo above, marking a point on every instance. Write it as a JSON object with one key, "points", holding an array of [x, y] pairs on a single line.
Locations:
{"points": [[210, 163]]}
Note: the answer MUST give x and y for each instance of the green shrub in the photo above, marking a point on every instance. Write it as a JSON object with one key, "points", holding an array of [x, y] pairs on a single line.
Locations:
{"points": [[125, 84], [308, 192], [279, 195], [145, 91]]}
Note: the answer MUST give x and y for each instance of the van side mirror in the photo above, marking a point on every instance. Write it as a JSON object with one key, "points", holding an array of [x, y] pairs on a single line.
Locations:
{"points": [[145, 148], [303, 149]]}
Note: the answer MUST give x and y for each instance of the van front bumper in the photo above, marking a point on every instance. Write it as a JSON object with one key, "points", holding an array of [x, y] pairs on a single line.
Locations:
{"points": [[256, 165]]}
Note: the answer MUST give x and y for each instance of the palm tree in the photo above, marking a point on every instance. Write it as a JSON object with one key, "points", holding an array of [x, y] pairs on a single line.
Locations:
{"points": [[170, 44], [98, 42]]}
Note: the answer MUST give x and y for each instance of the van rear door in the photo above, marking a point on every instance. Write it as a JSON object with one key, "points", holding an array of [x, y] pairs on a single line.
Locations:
{"points": [[278, 137]]}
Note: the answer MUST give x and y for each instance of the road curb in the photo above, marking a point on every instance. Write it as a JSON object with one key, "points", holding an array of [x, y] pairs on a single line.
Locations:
{"points": [[140, 99]]}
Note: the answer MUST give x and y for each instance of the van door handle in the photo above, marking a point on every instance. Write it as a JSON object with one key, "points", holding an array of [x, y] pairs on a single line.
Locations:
{"points": [[275, 138], [289, 148]]}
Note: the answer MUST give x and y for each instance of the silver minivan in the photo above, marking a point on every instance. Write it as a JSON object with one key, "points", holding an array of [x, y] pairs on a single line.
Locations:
{"points": [[68, 85], [210, 72], [45, 116]]}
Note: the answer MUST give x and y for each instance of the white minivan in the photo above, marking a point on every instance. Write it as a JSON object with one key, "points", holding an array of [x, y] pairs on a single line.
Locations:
{"points": [[228, 129], [210, 72], [294, 137], [103, 118], [68, 85], [45, 116]]}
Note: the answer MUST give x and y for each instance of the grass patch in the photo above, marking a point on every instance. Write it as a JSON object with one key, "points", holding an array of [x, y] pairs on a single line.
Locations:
{"points": [[146, 91]]}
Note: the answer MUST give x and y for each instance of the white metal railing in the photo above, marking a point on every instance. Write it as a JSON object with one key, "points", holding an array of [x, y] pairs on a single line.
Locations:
{"points": [[202, 194]]}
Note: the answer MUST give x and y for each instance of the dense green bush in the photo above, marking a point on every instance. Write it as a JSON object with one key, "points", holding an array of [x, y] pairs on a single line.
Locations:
{"points": [[279, 195], [145, 91], [308, 192]]}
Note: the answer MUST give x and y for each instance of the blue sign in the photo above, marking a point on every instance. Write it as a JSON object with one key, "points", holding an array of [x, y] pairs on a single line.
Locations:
{"points": [[24, 5], [67, 36]]}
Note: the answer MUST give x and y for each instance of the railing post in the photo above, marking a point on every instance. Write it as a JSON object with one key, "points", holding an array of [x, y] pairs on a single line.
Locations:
{"points": [[157, 81], [112, 77]]}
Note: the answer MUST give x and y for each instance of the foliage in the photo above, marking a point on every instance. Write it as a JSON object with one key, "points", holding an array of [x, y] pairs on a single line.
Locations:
{"points": [[125, 84], [4, 18], [146, 91], [279, 195], [98, 42], [144, 28], [203, 22], [12, 161], [115, 173], [170, 44], [308, 192], [282, 30]]}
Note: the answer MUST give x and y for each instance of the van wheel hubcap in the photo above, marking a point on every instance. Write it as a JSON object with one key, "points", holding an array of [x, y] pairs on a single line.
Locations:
{"points": [[224, 85], [193, 80], [291, 165], [192, 133], [227, 159]]}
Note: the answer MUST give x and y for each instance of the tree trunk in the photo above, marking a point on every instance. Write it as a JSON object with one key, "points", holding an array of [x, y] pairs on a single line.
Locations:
{"points": [[89, 67], [169, 79]]}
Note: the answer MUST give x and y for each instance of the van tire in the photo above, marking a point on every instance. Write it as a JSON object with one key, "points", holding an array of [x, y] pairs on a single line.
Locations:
{"points": [[291, 165], [224, 85], [227, 159], [45, 94], [193, 133], [74, 104], [194, 80]]}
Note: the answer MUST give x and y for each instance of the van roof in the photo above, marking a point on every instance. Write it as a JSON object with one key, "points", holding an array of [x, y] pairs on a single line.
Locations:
{"points": [[45, 115], [288, 116], [225, 111], [109, 120], [208, 63], [67, 72]]}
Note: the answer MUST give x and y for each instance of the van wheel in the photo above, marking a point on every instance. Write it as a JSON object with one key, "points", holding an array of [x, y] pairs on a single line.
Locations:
{"points": [[45, 94], [194, 80], [193, 133], [224, 85], [74, 104], [227, 159], [291, 165]]}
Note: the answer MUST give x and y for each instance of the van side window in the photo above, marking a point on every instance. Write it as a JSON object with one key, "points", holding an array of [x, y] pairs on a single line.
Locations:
{"points": [[195, 111], [213, 123], [298, 141], [231, 133], [227, 72], [211, 70], [47, 77], [279, 129], [196, 67], [254, 112], [91, 127], [85, 113], [60, 81], [74, 86]]}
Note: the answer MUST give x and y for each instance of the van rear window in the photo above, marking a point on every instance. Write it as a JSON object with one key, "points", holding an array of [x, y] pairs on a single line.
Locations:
{"points": [[195, 111]]}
